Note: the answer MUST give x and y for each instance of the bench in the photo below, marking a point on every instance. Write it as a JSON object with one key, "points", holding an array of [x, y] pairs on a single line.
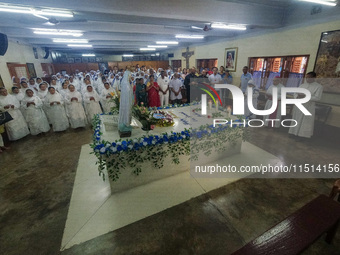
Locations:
{"points": [[299, 230]]}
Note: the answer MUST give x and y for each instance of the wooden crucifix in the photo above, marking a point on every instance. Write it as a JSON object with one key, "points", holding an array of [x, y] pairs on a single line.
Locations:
{"points": [[187, 55]]}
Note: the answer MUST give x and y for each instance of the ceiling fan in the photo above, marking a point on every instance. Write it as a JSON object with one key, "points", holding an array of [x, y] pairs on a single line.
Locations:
{"points": [[206, 27], [53, 21]]}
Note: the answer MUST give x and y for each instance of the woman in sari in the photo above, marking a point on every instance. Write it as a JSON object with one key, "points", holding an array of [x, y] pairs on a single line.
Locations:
{"points": [[17, 94], [64, 89], [152, 88], [141, 95], [35, 116], [91, 103], [184, 73], [16, 128], [74, 108], [54, 104], [105, 97]]}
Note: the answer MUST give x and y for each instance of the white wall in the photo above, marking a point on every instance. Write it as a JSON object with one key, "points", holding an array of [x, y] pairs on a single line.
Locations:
{"points": [[293, 41], [297, 41], [21, 54]]}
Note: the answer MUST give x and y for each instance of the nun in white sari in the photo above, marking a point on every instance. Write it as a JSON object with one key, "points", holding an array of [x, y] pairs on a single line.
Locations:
{"points": [[35, 116], [19, 95], [16, 92], [42, 93], [105, 97], [91, 103], [64, 90], [54, 84], [16, 128], [74, 108], [54, 104], [24, 87]]}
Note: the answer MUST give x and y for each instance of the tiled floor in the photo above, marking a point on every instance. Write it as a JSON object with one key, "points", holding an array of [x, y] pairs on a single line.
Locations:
{"points": [[37, 177]]}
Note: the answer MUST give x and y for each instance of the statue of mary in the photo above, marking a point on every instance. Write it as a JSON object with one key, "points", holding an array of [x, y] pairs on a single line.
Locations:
{"points": [[125, 107]]}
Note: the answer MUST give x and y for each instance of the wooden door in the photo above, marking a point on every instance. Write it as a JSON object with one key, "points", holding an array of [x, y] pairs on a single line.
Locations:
{"points": [[93, 66], [176, 64], [17, 71], [48, 68]]}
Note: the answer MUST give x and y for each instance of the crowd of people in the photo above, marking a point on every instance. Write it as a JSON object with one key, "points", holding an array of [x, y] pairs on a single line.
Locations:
{"points": [[37, 106], [73, 100]]}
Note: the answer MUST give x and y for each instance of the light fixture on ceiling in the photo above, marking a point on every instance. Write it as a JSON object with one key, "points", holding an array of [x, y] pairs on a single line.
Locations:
{"points": [[80, 45], [225, 26], [46, 31], [190, 36], [54, 13], [195, 27], [146, 49], [89, 55], [157, 46], [15, 9], [128, 55], [325, 2], [157, 54], [34, 11], [56, 40], [167, 42]]}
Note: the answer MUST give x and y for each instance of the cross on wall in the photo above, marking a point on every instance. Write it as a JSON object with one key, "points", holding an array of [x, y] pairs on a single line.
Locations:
{"points": [[187, 56]]}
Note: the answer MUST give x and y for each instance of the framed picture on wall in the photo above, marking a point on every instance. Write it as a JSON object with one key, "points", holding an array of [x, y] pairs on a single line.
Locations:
{"points": [[70, 60], [77, 60], [31, 70], [230, 59], [103, 66], [327, 62], [85, 60]]}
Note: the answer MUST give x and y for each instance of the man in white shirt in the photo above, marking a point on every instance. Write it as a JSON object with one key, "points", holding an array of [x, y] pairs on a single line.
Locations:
{"points": [[175, 86], [215, 78], [163, 82], [245, 77]]}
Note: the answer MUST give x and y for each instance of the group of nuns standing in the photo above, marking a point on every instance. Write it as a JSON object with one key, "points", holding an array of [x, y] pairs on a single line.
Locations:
{"points": [[36, 108]]}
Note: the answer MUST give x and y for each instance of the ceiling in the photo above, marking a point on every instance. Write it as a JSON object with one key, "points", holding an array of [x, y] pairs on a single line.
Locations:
{"points": [[116, 27]]}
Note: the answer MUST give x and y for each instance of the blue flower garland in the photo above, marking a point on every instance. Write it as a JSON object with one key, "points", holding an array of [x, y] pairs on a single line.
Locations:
{"points": [[104, 150]]}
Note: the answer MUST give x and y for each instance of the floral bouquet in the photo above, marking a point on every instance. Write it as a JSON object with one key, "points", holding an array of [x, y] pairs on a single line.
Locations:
{"points": [[144, 116], [115, 98], [164, 118]]}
